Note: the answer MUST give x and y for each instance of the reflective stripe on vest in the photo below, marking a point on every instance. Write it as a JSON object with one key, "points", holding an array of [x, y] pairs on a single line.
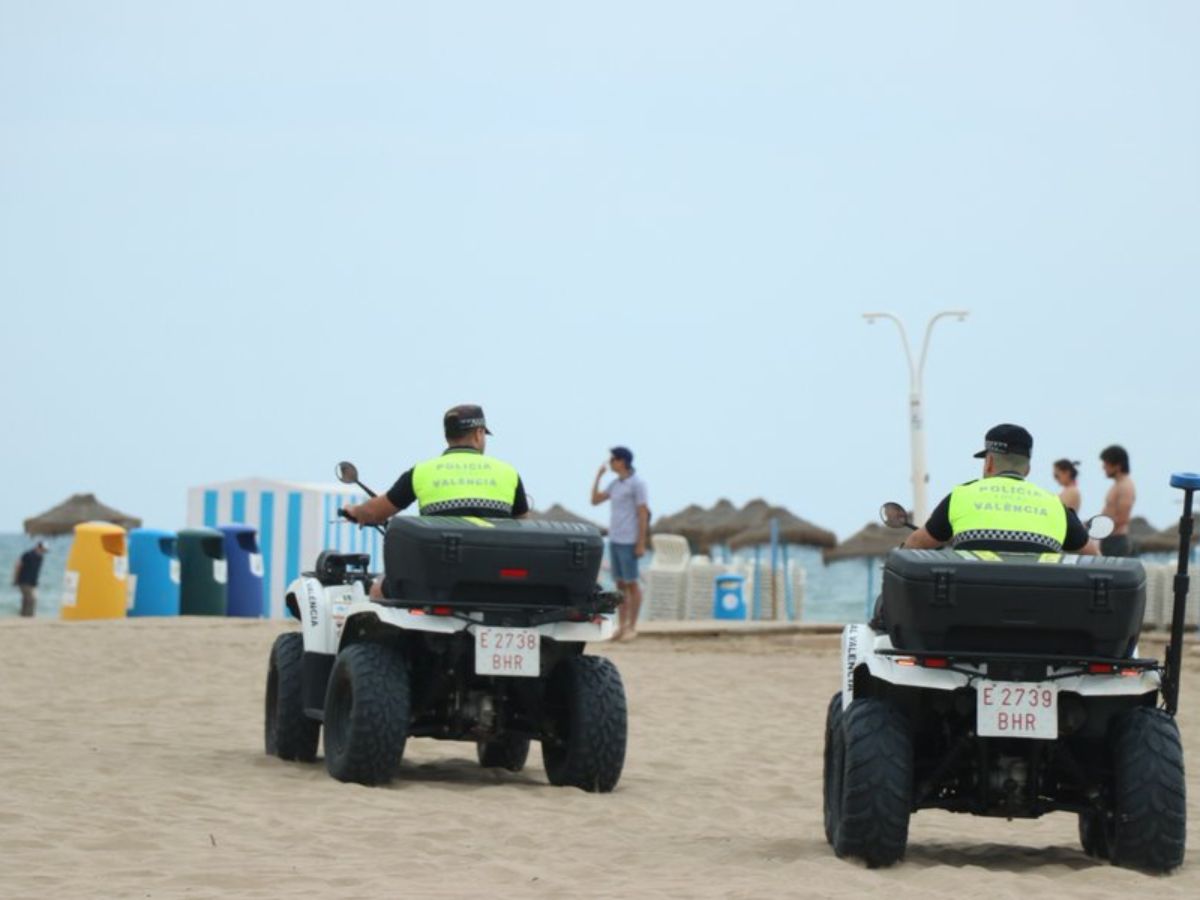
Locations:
{"points": [[1007, 509], [464, 481]]}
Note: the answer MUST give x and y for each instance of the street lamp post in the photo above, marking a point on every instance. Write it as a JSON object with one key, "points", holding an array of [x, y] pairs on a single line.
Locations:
{"points": [[916, 419]]}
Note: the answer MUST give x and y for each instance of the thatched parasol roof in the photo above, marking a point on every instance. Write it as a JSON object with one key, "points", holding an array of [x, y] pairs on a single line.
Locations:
{"points": [[1140, 527], [872, 540], [792, 529], [559, 513], [75, 510], [696, 524], [1165, 541]]}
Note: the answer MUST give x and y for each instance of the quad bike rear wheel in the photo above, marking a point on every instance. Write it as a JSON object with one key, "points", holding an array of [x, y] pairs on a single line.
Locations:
{"points": [[876, 789], [1150, 797], [835, 759], [288, 732], [585, 706], [366, 714]]}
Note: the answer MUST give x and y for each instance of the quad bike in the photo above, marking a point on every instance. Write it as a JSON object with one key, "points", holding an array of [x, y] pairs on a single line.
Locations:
{"points": [[1009, 684], [479, 636]]}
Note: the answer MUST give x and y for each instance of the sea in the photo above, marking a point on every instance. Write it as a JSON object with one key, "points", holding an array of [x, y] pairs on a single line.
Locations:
{"points": [[839, 592]]}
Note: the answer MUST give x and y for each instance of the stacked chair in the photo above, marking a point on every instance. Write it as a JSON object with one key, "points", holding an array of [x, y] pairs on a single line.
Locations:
{"points": [[666, 578]]}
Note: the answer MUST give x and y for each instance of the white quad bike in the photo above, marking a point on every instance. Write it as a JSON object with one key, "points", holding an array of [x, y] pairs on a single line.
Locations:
{"points": [[480, 638], [1009, 685]]}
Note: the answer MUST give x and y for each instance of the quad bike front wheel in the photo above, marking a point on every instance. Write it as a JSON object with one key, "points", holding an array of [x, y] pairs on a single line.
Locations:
{"points": [[585, 706], [1149, 825], [1094, 829], [366, 714], [288, 732], [507, 752], [876, 789]]}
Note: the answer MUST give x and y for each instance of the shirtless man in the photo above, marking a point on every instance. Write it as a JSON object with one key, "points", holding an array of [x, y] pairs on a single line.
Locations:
{"points": [[1118, 505]]}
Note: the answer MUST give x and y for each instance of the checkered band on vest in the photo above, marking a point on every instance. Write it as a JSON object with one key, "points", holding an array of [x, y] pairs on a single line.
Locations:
{"points": [[993, 534], [466, 503]]}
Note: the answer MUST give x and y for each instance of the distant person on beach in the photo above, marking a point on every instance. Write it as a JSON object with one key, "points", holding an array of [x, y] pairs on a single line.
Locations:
{"points": [[1066, 473], [1001, 510], [460, 482], [25, 577], [1118, 505], [627, 533]]}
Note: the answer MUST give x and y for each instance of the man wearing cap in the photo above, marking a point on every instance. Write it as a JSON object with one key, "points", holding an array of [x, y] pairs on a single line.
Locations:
{"points": [[1003, 511], [629, 522], [25, 577], [460, 482]]}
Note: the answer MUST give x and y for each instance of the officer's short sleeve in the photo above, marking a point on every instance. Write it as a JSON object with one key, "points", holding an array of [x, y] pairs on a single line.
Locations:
{"points": [[1077, 533], [520, 501], [401, 494], [938, 523]]}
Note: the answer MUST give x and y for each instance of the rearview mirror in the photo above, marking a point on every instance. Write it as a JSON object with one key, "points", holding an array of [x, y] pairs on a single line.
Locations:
{"points": [[1100, 527], [894, 515], [347, 473]]}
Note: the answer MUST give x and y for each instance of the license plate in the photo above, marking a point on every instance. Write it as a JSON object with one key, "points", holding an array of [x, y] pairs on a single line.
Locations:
{"points": [[508, 651], [1022, 709]]}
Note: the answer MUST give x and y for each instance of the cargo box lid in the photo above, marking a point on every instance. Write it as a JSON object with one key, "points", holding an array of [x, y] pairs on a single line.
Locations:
{"points": [[1064, 570]]}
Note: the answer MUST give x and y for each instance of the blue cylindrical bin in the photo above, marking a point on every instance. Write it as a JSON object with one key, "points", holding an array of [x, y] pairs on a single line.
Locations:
{"points": [[153, 580], [730, 601], [245, 571]]}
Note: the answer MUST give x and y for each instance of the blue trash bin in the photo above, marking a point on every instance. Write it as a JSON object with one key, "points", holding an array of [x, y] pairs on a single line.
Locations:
{"points": [[153, 581], [245, 571], [730, 601]]}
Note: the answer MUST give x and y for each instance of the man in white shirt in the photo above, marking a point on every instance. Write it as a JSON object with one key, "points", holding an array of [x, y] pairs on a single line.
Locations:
{"points": [[627, 533]]}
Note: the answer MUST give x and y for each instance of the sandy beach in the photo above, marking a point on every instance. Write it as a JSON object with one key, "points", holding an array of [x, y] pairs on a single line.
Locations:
{"points": [[131, 765]]}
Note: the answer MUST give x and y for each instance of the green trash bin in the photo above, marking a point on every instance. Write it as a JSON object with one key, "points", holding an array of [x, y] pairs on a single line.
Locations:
{"points": [[203, 573]]}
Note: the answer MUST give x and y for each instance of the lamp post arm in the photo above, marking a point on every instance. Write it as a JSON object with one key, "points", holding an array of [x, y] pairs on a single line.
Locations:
{"points": [[919, 381], [912, 371]]}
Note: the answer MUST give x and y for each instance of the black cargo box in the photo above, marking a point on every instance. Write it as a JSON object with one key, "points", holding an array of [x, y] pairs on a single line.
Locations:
{"points": [[462, 562], [945, 600]]}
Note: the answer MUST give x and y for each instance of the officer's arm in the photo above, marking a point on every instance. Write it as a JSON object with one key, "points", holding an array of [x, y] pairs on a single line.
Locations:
{"points": [[520, 507], [374, 512], [922, 540]]}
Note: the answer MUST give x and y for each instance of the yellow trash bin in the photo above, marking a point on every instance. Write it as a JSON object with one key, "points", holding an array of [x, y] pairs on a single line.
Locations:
{"points": [[97, 568]]}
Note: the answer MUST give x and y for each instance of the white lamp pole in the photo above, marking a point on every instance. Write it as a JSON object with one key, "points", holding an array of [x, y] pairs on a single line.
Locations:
{"points": [[916, 419]]}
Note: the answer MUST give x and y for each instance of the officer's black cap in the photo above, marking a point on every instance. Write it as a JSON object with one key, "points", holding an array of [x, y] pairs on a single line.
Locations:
{"points": [[464, 418], [1007, 440]]}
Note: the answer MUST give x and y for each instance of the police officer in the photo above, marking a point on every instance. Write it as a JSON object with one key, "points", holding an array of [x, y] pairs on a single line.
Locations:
{"points": [[1003, 511], [461, 482]]}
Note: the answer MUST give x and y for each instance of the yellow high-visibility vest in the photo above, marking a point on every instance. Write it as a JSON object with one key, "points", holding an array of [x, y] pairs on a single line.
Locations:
{"points": [[463, 480], [1003, 508]]}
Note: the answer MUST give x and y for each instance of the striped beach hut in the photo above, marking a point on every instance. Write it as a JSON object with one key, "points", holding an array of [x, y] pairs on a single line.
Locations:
{"points": [[295, 522]]}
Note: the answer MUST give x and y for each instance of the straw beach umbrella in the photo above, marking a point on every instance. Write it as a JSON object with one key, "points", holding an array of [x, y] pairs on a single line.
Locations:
{"points": [[872, 540], [696, 524], [1165, 541], [75, 510], [792, 528]]}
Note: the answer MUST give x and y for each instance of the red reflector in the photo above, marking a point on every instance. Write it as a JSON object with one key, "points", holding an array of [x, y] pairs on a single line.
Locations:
{"points": [[1101, 668], [514, 573], [442, 610], [935, 662]]}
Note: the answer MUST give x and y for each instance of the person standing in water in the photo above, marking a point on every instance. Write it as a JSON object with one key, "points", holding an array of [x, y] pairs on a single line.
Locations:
{"points": [[1066, 473]]}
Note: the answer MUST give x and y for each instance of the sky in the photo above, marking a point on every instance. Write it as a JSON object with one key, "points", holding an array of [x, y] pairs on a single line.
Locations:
{"points": [[255, 239]]}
